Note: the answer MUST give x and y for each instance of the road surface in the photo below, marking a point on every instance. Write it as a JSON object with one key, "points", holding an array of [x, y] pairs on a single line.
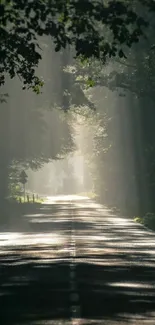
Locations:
{"points": [[74, 262]]}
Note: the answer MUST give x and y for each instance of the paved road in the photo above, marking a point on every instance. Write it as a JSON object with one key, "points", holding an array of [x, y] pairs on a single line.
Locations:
{"points": [[74, 262]]}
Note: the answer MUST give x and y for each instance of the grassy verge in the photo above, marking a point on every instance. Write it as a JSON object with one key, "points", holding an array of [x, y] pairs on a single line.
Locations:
{"points": [[148, 220], [12, 210], [29, 199], [91, 195]]}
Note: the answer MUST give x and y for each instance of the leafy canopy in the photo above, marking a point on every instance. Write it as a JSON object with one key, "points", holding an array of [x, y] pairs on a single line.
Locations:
{"points": [[77, 23]]}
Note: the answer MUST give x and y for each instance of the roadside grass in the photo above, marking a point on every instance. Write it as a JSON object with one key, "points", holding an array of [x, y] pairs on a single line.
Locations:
{"points": [[148, 220], [28, 199], [14, 208], [91, 195]]}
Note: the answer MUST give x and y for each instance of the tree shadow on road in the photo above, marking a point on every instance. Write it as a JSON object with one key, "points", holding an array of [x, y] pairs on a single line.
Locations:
{"points": [[116, 290], [34, 291], [115, 279]]}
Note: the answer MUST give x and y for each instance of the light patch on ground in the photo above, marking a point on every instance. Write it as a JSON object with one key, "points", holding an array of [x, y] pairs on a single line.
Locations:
{"points": [[29, 239], [64, 198]]}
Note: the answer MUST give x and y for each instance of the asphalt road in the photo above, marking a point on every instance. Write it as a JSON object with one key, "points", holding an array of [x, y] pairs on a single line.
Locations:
{"points": [[74, 262]]}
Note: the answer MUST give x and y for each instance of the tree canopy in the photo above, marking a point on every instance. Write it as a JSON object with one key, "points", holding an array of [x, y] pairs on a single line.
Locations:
{"points": [[81, 24]]}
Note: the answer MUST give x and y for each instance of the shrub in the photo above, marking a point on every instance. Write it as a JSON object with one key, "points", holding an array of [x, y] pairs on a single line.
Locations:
{"points": [[149, 220]]}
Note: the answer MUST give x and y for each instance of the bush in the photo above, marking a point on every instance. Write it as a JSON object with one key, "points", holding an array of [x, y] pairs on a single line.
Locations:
{"points": [[139, 220], [149, 220]]}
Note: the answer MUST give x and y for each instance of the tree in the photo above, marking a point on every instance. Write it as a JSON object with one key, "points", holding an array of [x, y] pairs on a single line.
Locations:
{"points": [[135, 79], [30, 134], [79, 24]]}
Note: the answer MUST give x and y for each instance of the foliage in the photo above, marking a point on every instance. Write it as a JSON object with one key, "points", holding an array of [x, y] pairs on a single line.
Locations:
{"points": [[133, 79], [139, 220], [148, 220], [90, 195], [129, 76], [30, 137], [14, 186], [28, 199], [79, 24], [92, 128]]}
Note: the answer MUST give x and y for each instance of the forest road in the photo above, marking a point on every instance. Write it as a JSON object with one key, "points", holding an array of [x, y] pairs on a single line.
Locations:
{"points": [[77, 263]]}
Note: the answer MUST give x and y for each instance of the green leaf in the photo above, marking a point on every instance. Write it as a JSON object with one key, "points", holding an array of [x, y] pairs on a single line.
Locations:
{"points": [[90, 82]]}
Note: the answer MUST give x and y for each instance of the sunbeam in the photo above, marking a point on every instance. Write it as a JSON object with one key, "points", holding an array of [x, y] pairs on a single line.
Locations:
{"points": [[77, 162]]}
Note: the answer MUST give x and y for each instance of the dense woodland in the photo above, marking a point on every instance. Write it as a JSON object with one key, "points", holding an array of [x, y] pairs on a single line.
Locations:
{"points": [[94, 60]]}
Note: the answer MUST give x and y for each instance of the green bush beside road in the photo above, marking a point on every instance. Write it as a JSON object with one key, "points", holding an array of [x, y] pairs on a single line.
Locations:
{"points": [[148, 220]]}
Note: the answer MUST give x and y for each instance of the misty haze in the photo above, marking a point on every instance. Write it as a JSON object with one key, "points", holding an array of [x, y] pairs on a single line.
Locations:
{"points": [[77, 162]]}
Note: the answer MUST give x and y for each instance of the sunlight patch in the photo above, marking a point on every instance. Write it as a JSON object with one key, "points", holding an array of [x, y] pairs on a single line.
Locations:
{"points": [[132, 285], [67, 198], [22, 239]]}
